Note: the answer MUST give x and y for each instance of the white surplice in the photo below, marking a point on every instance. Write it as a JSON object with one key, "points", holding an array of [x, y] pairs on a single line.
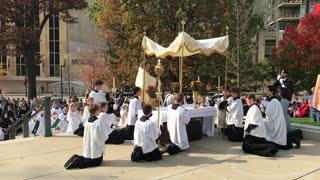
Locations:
{"points": [[94, 139], [98, 96], [32, 124], [235, 113], [107, 120], [254, 117], [74, 121], [145, 135], [134, 106], [123, 115], [57, 110], [275, 123], [176, 122], [86, 115], [63, 122]]}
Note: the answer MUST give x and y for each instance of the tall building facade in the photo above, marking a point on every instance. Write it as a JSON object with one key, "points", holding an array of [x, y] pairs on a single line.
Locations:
{"points": [[60, 46], [278, 14]]}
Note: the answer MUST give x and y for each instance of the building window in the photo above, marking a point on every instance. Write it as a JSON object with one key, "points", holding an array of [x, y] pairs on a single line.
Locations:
{"points": [[54, 46], [20, 65], [269, 45], [20, 60]]}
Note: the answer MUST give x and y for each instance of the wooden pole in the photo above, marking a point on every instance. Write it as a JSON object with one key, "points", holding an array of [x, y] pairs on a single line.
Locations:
{"points": [[144, 74], [226, 68], [181, 63]]}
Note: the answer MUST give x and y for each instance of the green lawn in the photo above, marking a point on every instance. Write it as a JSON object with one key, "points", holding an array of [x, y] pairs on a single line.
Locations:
{"points": [[306, 121]]}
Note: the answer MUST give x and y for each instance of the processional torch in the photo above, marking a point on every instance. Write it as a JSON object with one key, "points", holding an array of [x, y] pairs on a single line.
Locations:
{"points": [[159, 71]]}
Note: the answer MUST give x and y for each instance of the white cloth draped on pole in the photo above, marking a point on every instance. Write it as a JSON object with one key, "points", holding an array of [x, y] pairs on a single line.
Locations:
{"points": [[185, 45]]}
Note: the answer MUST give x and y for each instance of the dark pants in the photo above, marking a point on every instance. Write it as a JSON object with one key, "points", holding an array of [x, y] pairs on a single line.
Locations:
{"points": [[258, 146], [127, 132], [235, 134], [115, 137], [137, 155], [81, 162]]}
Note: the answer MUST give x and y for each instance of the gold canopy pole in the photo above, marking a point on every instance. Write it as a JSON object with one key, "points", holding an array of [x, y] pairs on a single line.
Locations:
{"points": [[159, 71], [181, 60], [144, 74]]}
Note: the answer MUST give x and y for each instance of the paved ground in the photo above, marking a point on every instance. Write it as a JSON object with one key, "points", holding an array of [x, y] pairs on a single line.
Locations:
{"points": [[210, 158]]}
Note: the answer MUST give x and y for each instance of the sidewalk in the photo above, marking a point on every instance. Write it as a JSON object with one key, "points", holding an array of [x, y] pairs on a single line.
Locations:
{"points": [[210, 158]]}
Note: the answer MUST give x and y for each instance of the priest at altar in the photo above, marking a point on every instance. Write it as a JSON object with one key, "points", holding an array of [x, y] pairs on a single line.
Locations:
{"points": [[148, 79]]}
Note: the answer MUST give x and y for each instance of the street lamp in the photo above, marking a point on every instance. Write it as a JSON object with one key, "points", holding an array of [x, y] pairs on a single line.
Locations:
{"points": [[61, 81]]}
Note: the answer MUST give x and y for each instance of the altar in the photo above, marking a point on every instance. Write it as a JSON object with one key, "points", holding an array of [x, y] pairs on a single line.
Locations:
{"points": [[207, 116]]}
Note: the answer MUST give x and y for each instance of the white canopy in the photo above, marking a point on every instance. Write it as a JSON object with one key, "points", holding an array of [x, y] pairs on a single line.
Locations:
{"points": [[185, 45]]}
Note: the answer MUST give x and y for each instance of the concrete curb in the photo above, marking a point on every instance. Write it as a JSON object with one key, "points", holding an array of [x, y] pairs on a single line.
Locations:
{"points": [[309, 132]]}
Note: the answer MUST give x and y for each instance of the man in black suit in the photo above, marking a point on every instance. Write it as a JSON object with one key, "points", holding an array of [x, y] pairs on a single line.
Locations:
{"points": [[283, 81]]}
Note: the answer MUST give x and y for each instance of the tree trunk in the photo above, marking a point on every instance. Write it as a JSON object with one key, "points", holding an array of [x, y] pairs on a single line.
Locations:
{"points": [[29, 52], [238, 46]]}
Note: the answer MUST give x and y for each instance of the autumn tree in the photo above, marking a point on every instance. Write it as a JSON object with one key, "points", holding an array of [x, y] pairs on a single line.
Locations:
{"points": [[24, 22], [124, 22], [299, 50], [243, 26]]}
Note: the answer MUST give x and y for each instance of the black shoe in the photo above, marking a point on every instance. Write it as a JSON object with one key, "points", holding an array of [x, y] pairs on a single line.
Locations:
{"points": [[297, 141]]}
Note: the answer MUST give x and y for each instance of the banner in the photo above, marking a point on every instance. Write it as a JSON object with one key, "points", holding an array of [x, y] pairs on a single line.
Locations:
{"points": [[316, 95]]}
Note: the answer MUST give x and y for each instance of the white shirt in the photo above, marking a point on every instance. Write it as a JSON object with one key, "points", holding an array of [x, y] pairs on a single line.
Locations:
{"points": [[275, 123], [107, 120], [177, 121], [254, 117], [134, 106], [235, 113], [98, 96], [74, 121], [145, 135], [63, 122], [94, 138], [58, 111]]}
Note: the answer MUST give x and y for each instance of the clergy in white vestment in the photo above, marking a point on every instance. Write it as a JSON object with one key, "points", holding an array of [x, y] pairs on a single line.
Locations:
{"points": [[255, 132], [86, 113], [169, 99], [145, 135], [56, 108], [94, 139], [235, 117], [73, 118], [148, 80], [63, 120], [275, 121], [55, 121], [97, 94], [222, 106], [177, 120], [115, 137], [36, 125], [124, 115], [134, 106]]}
